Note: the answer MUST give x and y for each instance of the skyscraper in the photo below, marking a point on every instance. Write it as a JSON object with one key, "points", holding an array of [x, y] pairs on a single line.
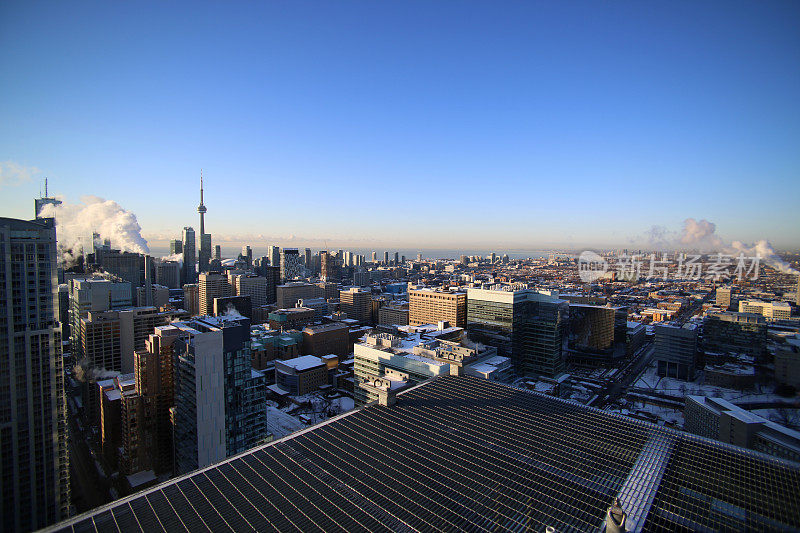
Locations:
{"points": [[290, 264], [219, 398], [189, 258], [175, 246], [274, 255], [39, 203], [205, 239], [212, 285], [34, 470], [247, 254], [385, 258], [308, 258], [522, 324]]}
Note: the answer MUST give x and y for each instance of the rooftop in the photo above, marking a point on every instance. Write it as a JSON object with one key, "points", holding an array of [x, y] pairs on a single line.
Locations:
{"points": [[463, 453]]}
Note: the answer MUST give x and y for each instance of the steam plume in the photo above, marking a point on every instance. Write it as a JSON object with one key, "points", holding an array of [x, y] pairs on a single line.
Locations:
{"points": [[76, 222]]}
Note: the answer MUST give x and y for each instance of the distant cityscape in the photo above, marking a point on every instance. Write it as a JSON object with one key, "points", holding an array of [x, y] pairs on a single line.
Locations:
{"points": [[143, 369]]}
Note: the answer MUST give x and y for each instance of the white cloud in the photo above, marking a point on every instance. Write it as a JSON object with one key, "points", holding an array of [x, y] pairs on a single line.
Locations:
{"points": [[13, 174]]}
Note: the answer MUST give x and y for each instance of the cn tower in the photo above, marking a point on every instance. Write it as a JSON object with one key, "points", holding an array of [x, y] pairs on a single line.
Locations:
{"points": [[201, 208]]}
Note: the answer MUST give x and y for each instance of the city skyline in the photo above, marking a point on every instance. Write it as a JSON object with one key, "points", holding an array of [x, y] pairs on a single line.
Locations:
{"points": [[611, 121]]}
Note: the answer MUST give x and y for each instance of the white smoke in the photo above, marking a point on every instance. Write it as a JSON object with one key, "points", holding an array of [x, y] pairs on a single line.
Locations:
{"points": [[75, 224], [701, 235], [83, 372], [178, 258]]}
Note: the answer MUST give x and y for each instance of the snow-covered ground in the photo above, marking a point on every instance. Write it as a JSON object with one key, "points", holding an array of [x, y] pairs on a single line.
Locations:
{"points": [[650, 380], [281, 423]]}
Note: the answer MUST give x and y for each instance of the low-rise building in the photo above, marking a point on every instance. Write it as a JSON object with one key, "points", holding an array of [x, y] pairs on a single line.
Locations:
{"points": [[769, 310], [300, 375]]}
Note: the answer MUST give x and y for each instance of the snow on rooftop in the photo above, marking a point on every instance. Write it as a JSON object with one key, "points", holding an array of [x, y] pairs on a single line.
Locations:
{"points": [[303, 362]]}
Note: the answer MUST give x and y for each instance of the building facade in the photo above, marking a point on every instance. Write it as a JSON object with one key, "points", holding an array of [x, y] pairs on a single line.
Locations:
{"points": [[34, 471], [427, 306]]}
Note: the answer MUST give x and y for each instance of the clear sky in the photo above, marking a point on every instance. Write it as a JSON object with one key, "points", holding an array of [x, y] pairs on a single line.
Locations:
{"points": [[413, 124]]}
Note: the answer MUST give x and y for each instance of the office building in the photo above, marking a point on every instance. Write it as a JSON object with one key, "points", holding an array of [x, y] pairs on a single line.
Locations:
{"points": [[393, 314], [274, 255], [597, 335], [291, 318], [291, 268], [159, 296], [385, 258], [253, 286], [308, 258], [218, 252], [724, 298], [189, 257], [504, 458], [34, 471], [719, 419], [769, 310], [289, 294], [191, 299], [396, 259], [226, 305], [94, 295], [355, 303], [212, 285], [797, 292], [730, 333], [787, 365], [676, 350], [428, 306], [39, 203], [300, 375], [125, 265], [247, 255], [219, 400], [175, 247], [324, 339], [329, 267], [168, 274], [522, 324]]}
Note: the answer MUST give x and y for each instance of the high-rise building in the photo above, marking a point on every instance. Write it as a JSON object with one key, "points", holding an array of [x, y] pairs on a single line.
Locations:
{"points": [[428, 306], [34, 470], [94, 295], [218, 253], [329, 268], [219, 399], [274, 255], [212, 285], [419, 257], [396, 258], [205, 239], [374, 257], [288, 294], [290, 264], [247, 255], [355, 303], [735, 333], [175, 246], [125, 265], [191, 299], [39, 203], [676, 350], [797, 291], [724, 298], [308, 258], [189, 258], [168, 274], [522, 324], [253, 286]]}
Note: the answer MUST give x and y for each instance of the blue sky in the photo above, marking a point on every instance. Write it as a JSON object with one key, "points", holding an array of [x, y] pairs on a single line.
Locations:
{"points": [[410, 124]]}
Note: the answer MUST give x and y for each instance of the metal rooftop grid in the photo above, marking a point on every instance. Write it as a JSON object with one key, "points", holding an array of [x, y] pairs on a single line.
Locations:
{"points": [[462, 453]]}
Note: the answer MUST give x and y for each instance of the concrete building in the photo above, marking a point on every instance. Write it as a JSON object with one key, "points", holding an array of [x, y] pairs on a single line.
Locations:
{"points": [[168, 274], [769, 310], [724, 298], [676, 350], [787, 366], [219, 400], [127, 266], [291, 267], [329, 267], [253, 286], [719, 419], [212, 285], [274, 255], [428, 306], [94, 294], [319, 305], [355, 303], [523, 324], [290, 293], [175, 246], [300, 375], [291, 318], [324, 339], [393, 314], [34, 471], [159, 296], [191, 299]]}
